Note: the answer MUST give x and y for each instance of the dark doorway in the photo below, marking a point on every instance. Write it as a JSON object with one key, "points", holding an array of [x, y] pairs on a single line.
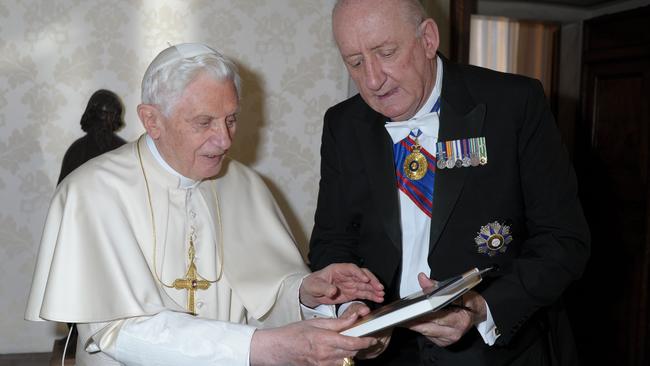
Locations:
{"points": [[609, 306]]}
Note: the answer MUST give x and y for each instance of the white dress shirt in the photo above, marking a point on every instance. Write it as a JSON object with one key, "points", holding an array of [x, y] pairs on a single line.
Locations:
{"points": [[416, 225]]}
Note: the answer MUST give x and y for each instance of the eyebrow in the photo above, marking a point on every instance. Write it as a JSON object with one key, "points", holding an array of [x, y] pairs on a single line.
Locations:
{"points": [[375, 48], [205, 115]]}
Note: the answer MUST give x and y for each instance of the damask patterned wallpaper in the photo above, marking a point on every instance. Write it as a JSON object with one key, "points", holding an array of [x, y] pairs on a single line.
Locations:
{"points": [[55, 54]]}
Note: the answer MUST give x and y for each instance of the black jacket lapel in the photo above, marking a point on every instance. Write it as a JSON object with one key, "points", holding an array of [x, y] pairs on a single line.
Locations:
{"points": [[377, 155], [460, 118]]}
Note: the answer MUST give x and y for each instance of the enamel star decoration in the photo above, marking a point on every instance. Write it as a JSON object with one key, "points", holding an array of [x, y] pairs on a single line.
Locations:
{"points": [[493, 239]]}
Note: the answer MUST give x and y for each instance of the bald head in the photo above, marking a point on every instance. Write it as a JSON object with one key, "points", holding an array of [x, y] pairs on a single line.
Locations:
{"points": [[412, 12], [389, 48]]}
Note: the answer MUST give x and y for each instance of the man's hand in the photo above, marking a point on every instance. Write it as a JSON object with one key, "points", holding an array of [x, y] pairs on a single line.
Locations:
{"points": [[339, 283], [309, 342], [383, 338], [355, 309], [447, 326]]}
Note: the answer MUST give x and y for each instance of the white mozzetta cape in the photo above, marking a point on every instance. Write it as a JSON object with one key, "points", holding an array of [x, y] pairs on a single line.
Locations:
{"points": [[95, 262]]}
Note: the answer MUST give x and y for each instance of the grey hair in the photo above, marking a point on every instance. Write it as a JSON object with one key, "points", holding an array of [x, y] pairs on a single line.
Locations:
{"points": [[412, 10], [163, 86]]}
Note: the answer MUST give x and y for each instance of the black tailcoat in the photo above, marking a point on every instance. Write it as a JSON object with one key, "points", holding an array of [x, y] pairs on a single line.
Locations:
{"points": [[528, 184]]}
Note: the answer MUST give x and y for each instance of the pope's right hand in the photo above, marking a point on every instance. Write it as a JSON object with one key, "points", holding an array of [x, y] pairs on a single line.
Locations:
{"points": [[309, 342], [383, 337]]}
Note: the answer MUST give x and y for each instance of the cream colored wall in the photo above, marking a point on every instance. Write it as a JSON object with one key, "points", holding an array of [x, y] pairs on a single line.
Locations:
{"points": [[439, 11], [55, 54]]}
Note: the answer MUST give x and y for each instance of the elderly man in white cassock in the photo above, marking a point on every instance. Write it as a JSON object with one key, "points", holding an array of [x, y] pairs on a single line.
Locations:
{"points": [[166, 252]]}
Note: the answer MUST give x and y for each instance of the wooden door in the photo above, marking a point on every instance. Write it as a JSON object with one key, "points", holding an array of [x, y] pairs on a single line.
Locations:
{"points": [[609, 305]]}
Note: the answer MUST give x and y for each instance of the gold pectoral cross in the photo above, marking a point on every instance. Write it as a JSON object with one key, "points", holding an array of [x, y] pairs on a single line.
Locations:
{"points": [[191, 282]]}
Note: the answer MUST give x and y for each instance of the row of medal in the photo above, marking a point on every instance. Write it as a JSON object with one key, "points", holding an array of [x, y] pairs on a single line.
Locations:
{"points": [[461, 153]]}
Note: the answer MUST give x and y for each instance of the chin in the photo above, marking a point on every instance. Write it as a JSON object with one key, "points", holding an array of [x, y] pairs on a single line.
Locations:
{"points": [[391, 111], [209, 167], [212, 172], [394, 116]]}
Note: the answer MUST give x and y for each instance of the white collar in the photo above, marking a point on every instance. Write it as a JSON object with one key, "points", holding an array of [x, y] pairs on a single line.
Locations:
{"points": [[184, 182]]}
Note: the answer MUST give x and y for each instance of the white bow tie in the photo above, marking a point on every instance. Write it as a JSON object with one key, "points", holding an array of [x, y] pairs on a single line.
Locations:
{"points": [[427, 123]]}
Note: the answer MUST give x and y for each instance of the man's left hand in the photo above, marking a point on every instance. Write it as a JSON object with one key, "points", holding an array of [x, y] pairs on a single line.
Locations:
{"points": [[339, 283], [447, 326]]}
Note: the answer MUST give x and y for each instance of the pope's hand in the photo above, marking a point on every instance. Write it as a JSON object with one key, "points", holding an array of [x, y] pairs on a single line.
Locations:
{"points": [[383, 337], [309, 342], [447, 326], [339, 283]]}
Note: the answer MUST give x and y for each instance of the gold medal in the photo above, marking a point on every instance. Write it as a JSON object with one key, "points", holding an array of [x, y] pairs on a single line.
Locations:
{"points": [[415, 164]]}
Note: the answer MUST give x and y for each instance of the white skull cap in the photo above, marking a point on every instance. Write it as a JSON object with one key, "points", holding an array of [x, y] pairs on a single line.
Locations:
{"points": [[177, 52]]}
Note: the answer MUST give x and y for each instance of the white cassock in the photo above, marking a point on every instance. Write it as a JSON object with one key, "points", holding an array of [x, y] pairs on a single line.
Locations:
{"points": [[96, 262]]}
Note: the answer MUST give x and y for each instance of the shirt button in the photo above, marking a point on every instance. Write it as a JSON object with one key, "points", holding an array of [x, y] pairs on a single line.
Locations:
{"points": [[192, 213], [199, 304]]}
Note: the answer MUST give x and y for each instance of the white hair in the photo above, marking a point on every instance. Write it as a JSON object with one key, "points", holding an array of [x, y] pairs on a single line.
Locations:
{"points": [[162, 85]]}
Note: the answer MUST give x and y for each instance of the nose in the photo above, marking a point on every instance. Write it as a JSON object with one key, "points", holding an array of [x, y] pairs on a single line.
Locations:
{"points": [[374, 75], [221, 135]]}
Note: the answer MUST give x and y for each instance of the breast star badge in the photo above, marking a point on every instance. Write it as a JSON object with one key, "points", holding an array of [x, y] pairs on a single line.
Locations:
{"points": [[493, 239]]}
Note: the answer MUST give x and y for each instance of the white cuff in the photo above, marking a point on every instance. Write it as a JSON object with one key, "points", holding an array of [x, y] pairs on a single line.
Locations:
{"points": [[320, 311], [487, 329], [343, 307], [172, 338]]}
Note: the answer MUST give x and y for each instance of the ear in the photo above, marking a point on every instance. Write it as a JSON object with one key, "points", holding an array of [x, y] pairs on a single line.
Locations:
{"points": [[151, 119], [430, 37]]}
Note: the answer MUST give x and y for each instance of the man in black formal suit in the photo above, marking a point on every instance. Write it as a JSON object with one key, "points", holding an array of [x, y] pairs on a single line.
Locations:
{"points": [[436, 168]]}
